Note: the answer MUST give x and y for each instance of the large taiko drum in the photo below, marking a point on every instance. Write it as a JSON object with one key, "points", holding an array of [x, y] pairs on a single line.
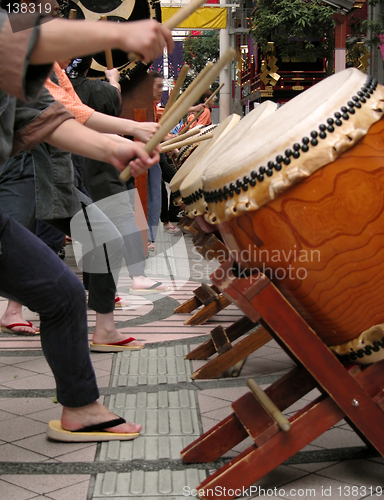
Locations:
{"points": [[301, 199], [186, 151], [199, 153], [191, 188]]}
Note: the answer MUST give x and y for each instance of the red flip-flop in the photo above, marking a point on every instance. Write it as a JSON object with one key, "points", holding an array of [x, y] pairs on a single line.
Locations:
{"points": [[10, 329], [122, 345]]}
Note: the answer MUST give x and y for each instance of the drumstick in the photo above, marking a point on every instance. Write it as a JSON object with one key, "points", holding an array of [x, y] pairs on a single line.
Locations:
{"points": [[213, 94], [176, 89], [72, 14], [189, 125], [187, 91], [183, 107], [269, 405], [190, 133], [186, 142], [175, 20], [108, 52]]}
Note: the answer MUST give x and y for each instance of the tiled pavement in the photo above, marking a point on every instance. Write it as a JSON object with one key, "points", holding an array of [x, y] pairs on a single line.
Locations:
{"points": [[153, 387]]}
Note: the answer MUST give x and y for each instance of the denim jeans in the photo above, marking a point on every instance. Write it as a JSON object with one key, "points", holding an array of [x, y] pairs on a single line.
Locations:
{"points": [[154, 200], [33, 275]]}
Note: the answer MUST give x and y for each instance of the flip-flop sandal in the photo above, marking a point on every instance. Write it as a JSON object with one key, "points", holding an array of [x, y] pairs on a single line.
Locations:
{"points": [[122, 345], [150, 290], [92, 433], [10, 329], [121, 303], [172, 229]]}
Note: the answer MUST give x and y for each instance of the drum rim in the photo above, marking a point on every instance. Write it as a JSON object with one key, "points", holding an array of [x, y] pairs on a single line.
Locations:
{"points": [[240, 185]]}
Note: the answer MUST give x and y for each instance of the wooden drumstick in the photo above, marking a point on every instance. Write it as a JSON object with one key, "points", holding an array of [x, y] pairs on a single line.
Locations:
{"points": [[213, 94], [269, 405], [176, 89], [183, 107], [186, 142], [175, 20], [108, 52], [189, 125], [188, 90], [196, 117], [72, 14], [190, 133]]}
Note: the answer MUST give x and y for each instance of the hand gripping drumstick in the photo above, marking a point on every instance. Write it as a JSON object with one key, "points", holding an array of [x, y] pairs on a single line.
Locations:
{"points": [[108, 53], [186, 142], [177, 138], [196, 117], [183, 107], [176, 89], [175, 20], [186, 92], [189, 125]]}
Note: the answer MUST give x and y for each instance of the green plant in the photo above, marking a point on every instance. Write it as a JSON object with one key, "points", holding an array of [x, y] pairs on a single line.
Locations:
{"points": [[197, 51], [300, 29]]}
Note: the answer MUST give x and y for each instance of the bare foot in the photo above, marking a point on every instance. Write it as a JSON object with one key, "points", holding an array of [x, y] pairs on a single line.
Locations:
{"points": [[107, 333], [73, 419], [142, 282], [13, 314]]}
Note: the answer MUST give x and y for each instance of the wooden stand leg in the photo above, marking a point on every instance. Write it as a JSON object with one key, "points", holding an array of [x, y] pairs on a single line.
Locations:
{"points": [[356, 395], [306, 425], [202, 296], [208, 311], [225, 435], [241, 350], [210, 247], [233, 332]]}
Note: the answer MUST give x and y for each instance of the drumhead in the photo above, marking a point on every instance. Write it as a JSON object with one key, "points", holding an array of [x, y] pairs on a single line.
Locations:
{"points": [[191, 188], [186, 151], [194, 158], [310, 131]]}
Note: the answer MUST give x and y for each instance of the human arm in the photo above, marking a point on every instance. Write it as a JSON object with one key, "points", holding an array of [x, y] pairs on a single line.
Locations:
{"points": [[61, 39], [74, 137], [113, 77], [113, 125]]}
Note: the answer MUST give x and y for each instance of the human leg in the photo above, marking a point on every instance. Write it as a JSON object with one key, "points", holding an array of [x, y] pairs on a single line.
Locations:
{"points": [[154, 201], [32, 274], [17, 199]]}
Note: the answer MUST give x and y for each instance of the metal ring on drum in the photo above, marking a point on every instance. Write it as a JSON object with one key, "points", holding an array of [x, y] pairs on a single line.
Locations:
{"points": [[302, 200], [191, 188]]}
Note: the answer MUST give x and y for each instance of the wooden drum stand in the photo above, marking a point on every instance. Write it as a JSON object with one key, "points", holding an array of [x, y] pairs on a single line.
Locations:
{"points": [[213, 301], [354, 393]]}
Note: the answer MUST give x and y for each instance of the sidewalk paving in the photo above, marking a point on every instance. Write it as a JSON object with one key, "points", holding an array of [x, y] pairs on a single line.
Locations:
{"points": [[153, 387]]}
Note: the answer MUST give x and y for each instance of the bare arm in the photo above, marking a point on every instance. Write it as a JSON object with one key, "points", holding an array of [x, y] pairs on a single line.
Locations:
{"points": [[61, 39], [74, 137], [113, 77], [113, 125]]}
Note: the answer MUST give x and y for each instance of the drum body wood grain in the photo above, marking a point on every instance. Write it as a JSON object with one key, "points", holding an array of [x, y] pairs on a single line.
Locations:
{"points": [[322, 242]]}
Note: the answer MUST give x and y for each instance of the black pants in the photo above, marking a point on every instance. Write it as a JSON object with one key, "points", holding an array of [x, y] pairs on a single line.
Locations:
{"points": [[32, 274], [169, 210]]}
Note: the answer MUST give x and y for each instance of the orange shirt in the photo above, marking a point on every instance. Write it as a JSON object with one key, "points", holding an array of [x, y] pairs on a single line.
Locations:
{"points": [[204, 118], [65, 93], [157, 112]]}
